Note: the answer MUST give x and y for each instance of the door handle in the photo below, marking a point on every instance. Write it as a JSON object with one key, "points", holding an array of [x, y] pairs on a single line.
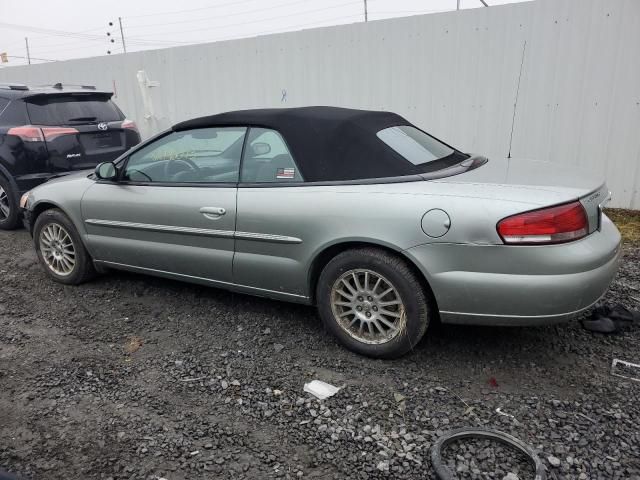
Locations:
{"points": [[212, 213]]}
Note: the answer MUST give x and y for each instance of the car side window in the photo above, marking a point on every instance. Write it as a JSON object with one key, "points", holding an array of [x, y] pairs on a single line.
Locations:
{"points": [[267, 159], [203, 155]]}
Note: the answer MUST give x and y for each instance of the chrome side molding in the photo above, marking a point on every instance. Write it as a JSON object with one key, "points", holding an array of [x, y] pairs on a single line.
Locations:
{"points": [[266, 237]]}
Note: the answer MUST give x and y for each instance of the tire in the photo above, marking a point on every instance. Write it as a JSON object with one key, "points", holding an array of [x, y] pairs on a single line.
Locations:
{"points": [[357, 267], [8, 219], [53, 233]]}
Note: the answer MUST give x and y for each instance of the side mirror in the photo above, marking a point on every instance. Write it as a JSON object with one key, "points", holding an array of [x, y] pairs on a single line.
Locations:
{"points": [[106, 171], [260, 148]]}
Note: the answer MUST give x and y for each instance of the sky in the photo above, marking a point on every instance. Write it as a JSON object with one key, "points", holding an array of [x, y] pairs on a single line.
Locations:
{"points": [[67, 29]]}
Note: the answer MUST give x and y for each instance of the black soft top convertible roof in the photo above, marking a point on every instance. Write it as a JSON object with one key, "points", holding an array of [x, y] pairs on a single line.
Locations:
{"points": [[329, 143]]}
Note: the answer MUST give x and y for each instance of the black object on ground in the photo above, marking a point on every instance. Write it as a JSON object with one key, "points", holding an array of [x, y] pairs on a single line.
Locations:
{"points": [[444, 473], [608, 319]]}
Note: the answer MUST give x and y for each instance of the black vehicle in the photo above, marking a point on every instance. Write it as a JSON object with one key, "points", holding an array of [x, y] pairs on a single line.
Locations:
{"points": [[50, 131]]}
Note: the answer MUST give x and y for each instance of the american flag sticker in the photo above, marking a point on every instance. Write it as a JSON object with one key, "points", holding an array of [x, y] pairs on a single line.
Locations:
{"points": [[284, 173]]}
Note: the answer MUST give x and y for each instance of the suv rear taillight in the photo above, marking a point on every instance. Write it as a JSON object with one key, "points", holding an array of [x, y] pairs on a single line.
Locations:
{"points": [[559, 224], [29, 133], [130, 124]]}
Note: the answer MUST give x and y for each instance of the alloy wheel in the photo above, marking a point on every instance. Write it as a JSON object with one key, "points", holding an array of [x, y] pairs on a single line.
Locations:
{"points": [[5, 208], [58, 250], [368, 306]]}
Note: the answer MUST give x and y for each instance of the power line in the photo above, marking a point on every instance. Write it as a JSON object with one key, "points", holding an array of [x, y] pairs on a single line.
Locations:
{"points": [[287, 29], [317, 23], [74, 45], [44, 36], [48, 31], [306, 12], [309, 24], [32, 58], [191, 10], [169, 43], [51, 32], [142, 41], [216, 17]]}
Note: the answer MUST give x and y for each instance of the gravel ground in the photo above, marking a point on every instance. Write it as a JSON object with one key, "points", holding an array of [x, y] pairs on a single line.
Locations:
{"points": [[133, 377]]}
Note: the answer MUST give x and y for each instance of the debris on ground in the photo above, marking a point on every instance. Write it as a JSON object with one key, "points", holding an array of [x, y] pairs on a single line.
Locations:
{"points": [[196, 379], [132, 345], [553, 461], [476, 453], [504, 414], [320, 389], [628, 370], [398, 397], [608, 319]]}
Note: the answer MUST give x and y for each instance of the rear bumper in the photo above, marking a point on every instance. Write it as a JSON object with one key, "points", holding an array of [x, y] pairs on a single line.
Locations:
{"points": [[520, 285]]}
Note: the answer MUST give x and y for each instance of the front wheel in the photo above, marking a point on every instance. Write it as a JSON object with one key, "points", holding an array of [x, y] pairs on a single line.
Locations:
{"points": [[9, 213], [60, 250], [373, 303]]}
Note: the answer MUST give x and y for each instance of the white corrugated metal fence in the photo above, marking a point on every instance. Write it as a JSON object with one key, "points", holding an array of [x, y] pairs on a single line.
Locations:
{"points": [[455, 74]]}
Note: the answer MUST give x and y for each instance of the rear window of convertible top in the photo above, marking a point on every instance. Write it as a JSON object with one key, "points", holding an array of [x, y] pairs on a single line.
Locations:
{"points": [[414, 145]]}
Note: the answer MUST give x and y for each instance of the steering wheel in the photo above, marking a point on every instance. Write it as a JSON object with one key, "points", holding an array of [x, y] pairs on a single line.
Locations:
{"points": [[170, 172], [139, 172]]}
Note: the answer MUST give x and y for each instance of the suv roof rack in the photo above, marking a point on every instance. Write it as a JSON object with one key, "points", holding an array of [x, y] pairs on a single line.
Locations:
{"points": [[13, 86], [59, 86]]}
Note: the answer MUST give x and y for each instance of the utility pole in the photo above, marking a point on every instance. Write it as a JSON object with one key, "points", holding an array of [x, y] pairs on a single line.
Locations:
{"points": [[26, 42], [122, 35], [366, 16]]}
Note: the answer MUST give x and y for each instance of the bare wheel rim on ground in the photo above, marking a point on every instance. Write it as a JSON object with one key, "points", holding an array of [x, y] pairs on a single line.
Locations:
{"points": [[57, 249], [367, 306]]}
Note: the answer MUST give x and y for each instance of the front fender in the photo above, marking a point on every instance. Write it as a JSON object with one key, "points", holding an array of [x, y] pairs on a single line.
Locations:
{"points": [[65, 194]]}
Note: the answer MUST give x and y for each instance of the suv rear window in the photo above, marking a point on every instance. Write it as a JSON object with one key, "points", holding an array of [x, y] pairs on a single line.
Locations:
{"points": [[72, 109]]}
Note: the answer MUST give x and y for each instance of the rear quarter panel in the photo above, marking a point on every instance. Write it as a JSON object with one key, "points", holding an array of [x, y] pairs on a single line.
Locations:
{"points": [[318, 217]]}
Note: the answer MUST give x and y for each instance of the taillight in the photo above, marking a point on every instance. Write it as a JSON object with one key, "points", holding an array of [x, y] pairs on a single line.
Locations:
{"points": [[559, 224], [51, 133], [29, 133], [130, 124]]}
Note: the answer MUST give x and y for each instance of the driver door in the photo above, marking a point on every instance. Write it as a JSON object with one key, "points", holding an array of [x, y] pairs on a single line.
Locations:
{"points": [[172, 210]]}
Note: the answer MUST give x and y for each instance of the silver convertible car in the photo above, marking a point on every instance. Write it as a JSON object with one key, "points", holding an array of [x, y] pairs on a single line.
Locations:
{"points": [[382, 226]]}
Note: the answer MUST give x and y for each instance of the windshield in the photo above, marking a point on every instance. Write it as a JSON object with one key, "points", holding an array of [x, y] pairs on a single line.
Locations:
{"points": [[72, 109], [414, 145]]}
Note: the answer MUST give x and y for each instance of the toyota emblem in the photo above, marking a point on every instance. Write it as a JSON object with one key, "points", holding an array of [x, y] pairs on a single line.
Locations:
{"points": [[103, 126]]}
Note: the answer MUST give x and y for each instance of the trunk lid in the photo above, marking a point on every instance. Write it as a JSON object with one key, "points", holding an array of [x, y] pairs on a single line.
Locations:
{"points": [[544, 183], [526, 173]]}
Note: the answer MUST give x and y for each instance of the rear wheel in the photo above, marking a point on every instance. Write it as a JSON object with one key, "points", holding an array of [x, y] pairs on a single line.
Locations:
{"points": [[60, 250], [9, 214], [373, 303]]}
